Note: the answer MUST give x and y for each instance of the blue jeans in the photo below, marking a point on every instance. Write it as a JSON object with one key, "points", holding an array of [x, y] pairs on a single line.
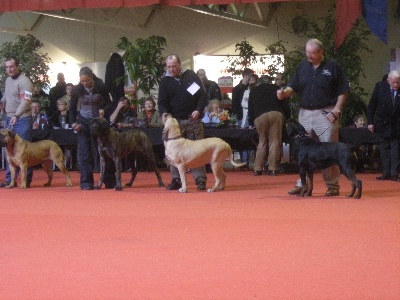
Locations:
{"points": [[23, 128]]}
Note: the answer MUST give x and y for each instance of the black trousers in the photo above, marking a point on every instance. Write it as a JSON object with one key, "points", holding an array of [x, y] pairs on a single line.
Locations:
{"points": [[389, 149]]}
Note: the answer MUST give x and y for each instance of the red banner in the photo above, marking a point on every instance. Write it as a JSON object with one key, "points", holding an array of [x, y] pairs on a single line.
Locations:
{"points": [[29, 5], [347, 12]]}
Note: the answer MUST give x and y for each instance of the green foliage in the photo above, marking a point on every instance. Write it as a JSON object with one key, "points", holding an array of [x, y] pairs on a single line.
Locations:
{"points": [[247, 56], [144, 61], [348, 55], [33, 63]]}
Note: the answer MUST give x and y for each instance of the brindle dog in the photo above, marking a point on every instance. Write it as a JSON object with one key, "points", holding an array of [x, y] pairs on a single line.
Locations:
{"points": [[312, 155], [23, 154], [118, 145]]}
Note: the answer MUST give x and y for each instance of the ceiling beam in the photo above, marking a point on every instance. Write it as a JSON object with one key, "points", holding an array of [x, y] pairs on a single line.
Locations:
{"points": [[78, 19], [15, 31], [38, 22], [228, 16]]}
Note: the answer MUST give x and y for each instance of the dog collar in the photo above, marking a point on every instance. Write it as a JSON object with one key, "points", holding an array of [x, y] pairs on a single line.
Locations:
{"points": [[300, 135], [174, 138]]}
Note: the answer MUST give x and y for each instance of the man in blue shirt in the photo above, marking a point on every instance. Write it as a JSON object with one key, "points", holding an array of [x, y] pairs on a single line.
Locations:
{"points": [[323, 89]]}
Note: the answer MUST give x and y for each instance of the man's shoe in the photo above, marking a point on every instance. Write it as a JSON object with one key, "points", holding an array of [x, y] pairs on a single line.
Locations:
{"points": [[4, 184], [257, 173], [272, 173], [86, 188], [295, 191], [383, 177], [174, 185], [394, 178], [201, 186], [332, 192]]}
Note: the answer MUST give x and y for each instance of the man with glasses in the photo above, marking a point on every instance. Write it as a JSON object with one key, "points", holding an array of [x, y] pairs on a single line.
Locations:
{"points": [[323, 90]]}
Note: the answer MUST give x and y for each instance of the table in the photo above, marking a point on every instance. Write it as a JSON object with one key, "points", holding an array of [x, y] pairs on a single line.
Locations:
{"points": [[358, 136], [238, 139]]}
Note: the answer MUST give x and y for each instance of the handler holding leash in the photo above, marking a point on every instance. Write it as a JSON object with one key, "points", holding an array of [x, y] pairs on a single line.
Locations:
{"points": [[91, 95], [323, 90], [17, 99], [182, 94]]}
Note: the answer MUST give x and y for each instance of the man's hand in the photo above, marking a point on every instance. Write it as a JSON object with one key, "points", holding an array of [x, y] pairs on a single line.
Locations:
{"points": [[195, 115], [13, 121], [164, 117], [371, 128], [284, 93]]}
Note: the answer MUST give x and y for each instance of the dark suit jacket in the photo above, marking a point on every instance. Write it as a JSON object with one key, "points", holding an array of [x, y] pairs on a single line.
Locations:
{"points": [[382, 114], [237, 96]]}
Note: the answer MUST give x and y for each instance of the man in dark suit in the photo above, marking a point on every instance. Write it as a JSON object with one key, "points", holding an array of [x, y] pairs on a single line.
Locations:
{"points": [[383, 117]]}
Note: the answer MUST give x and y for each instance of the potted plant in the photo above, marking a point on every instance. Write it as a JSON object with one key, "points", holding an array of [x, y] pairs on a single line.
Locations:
{"points": [[33, 63], [144, 62], [348, 55]]}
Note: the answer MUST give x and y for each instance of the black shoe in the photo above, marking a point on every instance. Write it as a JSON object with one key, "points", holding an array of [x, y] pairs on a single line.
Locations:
{"points": [[383, 177], [394, 178], [332, 192], [86, 188], [174, 185], [272, 173], [4, 184], [201, 186], [257, 173]]}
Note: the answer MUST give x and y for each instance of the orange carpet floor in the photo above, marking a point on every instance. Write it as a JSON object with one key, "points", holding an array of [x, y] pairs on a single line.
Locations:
{"points": [[251, 241]]}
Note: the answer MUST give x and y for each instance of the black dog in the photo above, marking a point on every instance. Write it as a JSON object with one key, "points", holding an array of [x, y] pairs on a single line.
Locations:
{"points": [[312, 155], [118, 145]]}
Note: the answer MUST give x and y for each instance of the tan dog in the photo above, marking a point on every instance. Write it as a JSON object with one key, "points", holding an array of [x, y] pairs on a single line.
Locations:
{"points": [[23, 154], [184, 154]]}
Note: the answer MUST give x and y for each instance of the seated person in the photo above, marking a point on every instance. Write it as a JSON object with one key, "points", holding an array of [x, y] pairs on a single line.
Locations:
{"points": [[362, 151], [62, 113], [39, 119], [212, 115], [358, 122], [123, 115], [68, 90], [150, 113]]}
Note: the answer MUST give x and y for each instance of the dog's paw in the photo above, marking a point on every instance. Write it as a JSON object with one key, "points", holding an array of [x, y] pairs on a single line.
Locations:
{"points": [[68, 184], [118, 188], [128, 184], [161, 184], [22, 186], [47, 184], [210, 190], [97, 187], [182, 190]]}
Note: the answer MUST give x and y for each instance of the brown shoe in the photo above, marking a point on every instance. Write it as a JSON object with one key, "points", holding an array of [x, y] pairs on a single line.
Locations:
{"points": [[332, 192], [295, 191]]}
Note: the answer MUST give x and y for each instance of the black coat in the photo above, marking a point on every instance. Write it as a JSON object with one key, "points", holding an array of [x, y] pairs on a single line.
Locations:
{"points": [[114, 78], [263, 99], [237, 96], [382, 114]]}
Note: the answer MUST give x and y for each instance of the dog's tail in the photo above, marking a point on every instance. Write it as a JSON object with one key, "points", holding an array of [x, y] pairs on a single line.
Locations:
{"points": [[236, 165]]}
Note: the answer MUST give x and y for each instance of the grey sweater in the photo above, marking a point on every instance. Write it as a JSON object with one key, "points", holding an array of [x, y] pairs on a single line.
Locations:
{"points": [[13, 98]]}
